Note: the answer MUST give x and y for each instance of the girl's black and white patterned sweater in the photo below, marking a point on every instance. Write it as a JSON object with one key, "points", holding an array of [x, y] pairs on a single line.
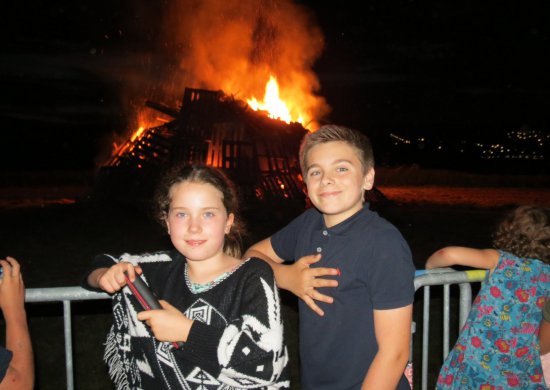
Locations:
{"points": [[235, 342]]}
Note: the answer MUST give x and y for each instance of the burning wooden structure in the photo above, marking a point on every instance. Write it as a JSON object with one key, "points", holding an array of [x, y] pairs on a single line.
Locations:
{"points": [[259, 153]]}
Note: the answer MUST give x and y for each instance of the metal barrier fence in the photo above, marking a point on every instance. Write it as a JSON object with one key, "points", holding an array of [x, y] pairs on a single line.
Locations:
{"points": [[423, 279], [65, 295], [443, 277]]}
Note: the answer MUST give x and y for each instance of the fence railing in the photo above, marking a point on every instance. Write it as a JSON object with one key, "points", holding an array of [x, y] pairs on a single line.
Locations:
{"points": [[423, 279], [443, 277], [65, 295]]}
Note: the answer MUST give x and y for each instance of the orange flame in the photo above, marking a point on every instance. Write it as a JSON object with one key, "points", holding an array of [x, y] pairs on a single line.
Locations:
{"points": [[272, 103], [137, 133], [237, 46], [145, 119]]}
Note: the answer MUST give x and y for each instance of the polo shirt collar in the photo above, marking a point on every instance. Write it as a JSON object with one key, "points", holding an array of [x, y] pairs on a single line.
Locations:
{"points": [[345, 225]]}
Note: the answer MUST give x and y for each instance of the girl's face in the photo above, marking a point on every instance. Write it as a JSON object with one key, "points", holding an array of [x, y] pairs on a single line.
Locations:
{"points": [[197, 220]]}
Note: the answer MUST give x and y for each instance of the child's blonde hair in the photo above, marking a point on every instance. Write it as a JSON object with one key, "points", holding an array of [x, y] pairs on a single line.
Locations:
{"points": [[525, 232], [209, 175]]}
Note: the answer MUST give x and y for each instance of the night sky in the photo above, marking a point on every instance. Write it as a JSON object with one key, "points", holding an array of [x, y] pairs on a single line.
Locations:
{"points": [[417, 67]]}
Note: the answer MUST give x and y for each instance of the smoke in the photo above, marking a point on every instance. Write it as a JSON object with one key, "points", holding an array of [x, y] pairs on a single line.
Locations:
{"points": [[235, 45], [229, 45]]}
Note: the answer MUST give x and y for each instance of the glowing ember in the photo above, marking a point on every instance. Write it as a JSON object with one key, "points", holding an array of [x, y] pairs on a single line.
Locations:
{"points": [[275, 107], [145, 119], [137, 134]]}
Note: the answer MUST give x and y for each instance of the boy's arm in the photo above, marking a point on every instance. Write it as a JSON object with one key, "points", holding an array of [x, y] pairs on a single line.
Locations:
{"points": [[20, 373], [469, 257], [298, 277], [392, 329], [264, 250]]}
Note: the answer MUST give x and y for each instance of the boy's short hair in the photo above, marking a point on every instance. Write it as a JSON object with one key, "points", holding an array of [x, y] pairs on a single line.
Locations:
{"points": [[329, 133]]}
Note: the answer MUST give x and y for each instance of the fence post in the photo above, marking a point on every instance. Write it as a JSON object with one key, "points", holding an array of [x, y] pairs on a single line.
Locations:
{"points": [[68, 344]]}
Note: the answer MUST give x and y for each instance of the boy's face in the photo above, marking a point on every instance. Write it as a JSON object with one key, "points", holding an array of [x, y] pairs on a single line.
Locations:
{"points": [[335, 180]]}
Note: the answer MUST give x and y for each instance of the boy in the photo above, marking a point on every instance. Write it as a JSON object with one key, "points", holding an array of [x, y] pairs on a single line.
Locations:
{"points": [[360, 337]]}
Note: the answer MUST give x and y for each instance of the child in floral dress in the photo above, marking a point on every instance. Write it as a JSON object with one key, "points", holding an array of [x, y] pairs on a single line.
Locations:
{"points": [[498, 347]]}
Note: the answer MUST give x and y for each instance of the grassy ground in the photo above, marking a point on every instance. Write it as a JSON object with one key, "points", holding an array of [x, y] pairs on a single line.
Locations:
{"points": [[55, 242]]}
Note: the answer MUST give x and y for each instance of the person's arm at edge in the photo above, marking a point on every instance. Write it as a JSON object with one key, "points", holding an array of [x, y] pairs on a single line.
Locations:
{"points": [[469, 257], [20, 373], [298, 278], [392, 329]]}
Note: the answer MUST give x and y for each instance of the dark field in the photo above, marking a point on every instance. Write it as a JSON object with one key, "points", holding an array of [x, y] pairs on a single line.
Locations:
{"points": [[54, 239]]}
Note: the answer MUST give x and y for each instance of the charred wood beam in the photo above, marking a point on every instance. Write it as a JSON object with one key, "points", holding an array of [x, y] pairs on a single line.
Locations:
{"points": [[174, 113], [155, 139]]}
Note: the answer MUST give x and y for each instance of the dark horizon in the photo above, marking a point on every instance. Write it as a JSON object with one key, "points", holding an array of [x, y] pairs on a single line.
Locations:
{"points": [[446, 71]]}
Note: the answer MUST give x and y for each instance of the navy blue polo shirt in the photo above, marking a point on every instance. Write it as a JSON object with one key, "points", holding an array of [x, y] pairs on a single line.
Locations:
{"points": [[5, 359], [377, 272]]}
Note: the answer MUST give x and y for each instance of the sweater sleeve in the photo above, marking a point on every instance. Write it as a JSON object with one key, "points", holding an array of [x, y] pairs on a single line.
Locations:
{"points": [[99, 261], [250, 348]]}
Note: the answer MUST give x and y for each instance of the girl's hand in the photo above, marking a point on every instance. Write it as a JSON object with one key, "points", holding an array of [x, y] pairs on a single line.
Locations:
{"points": [[112, 279], [168, 324]]}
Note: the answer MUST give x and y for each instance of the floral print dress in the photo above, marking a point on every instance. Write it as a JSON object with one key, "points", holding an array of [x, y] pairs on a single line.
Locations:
{"points": [[498, 347]]}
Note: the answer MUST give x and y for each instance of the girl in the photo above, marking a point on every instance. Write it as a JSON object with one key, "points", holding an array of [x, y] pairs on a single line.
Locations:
{"points": [[224, 310], [498, 347]]}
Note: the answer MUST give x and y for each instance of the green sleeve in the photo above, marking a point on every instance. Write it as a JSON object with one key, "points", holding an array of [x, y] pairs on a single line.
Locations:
{"points": [[546, 310]]}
